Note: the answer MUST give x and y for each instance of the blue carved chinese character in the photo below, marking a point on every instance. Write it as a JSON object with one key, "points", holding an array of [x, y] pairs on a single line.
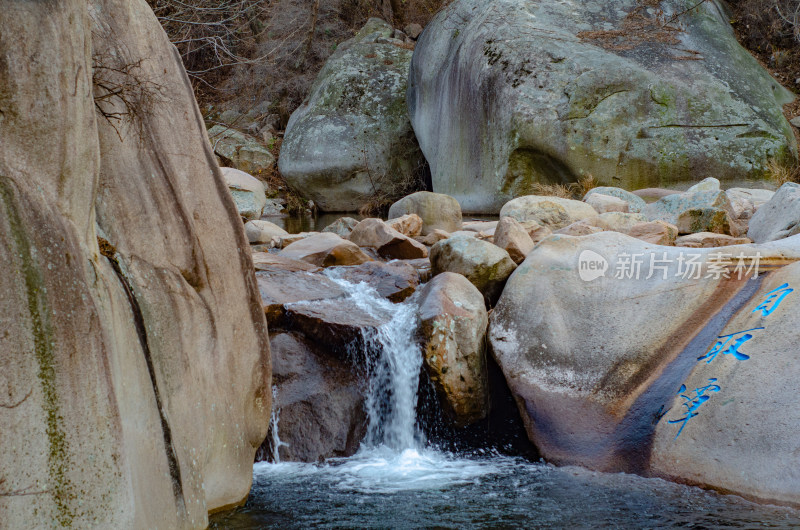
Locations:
{"points": [[693, 403], [729, 345], [773, 300]]}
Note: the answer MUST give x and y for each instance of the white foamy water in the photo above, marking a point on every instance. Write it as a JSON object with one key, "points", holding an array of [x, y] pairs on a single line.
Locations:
{"points": [[396, 481], [393, 456]]}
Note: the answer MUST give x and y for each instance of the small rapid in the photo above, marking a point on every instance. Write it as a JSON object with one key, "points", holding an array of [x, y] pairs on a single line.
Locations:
{"points": [[398, 480]]}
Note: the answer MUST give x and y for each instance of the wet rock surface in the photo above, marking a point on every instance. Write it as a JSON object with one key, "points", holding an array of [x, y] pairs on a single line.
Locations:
{"points": [[319, 403]]}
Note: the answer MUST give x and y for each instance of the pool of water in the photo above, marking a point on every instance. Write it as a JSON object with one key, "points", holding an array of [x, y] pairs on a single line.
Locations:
{"points": [[383, 488]]}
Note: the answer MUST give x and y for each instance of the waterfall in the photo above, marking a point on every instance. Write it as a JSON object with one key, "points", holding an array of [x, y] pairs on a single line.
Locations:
{"points": [[274, 419], [391, 360]]}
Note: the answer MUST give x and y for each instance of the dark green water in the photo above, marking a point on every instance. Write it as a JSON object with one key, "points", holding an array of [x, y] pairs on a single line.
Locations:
{"points": [[429, 489]]}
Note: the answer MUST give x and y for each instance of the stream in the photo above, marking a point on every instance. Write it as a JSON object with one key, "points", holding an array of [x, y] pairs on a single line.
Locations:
{"points": [[399, 480]]}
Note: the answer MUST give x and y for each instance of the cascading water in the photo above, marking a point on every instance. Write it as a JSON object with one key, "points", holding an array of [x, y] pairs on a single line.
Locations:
{"points": [[395, 480], [391, 358]]}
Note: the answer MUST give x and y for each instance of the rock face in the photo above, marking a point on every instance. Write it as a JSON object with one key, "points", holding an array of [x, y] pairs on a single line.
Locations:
{"points": [[352, 139], [552, 212], [590, 370], [453, 326], [247, 191], [136, 366], [482, 263], [778, 218], [388, 242], [325, 250], [740, 439], [240, 150], [319, 402], [503, 95], [437, 211]]}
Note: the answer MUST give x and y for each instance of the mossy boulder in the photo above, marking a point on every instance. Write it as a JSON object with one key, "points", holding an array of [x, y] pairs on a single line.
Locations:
{"points": [[484, 264], [351, 139], [507, 94]]}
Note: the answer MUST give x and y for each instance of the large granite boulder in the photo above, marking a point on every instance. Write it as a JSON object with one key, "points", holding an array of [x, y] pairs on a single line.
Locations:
{"points": [[595, 335], [342, 226], [484, 264], [779, 217], [506, 94], [437, 211], [730, 422], [453, 327], [134, 348], [351, 139], [319, 404]]}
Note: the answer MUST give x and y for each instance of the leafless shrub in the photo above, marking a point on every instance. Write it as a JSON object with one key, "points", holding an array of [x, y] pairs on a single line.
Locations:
{"points": [[211, 36], [770, 29], [123, 93]]}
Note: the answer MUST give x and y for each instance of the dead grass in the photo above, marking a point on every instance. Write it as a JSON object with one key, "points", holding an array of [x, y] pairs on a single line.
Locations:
{"points": [[779, 174], [562, 191], [584, 185], [576, 190], [645, 23]]}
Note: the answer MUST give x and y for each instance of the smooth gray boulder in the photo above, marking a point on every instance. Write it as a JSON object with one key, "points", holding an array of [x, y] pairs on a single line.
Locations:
{"points": [[438, 212], [262, 232], [606, 203], [553, 212], [484, 264], [453, 327], [779, 217], [594, 347], [351, 139], [635, 203], [509, 93]]}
